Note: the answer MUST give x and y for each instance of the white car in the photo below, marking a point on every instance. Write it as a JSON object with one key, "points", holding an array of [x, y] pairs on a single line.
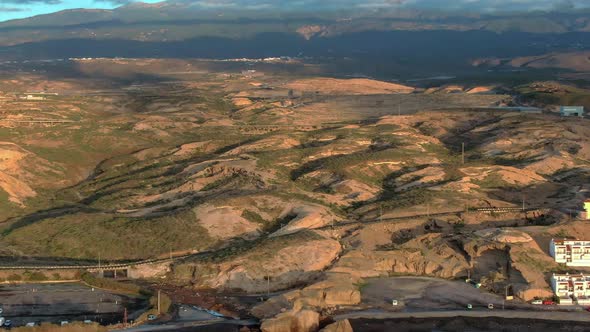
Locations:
{"points": [[152, 317], [1, 310], [537, 302], [64, 322], [394, 303], [31, 324], [88, 321]]}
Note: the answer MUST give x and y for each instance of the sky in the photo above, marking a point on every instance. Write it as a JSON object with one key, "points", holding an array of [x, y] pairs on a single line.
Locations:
{"points": [[11, 9]]}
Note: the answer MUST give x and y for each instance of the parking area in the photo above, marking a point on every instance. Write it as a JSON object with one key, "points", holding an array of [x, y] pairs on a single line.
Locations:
{"points": [[24, 303]]}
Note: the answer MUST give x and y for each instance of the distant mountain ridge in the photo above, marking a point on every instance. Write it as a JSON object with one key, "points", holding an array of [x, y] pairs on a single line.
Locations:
{"points": [[346, 20], [179, 28]]}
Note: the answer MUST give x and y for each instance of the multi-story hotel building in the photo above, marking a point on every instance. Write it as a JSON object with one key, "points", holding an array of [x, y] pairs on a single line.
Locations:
{"points": [[571, 252], [571, 287]]}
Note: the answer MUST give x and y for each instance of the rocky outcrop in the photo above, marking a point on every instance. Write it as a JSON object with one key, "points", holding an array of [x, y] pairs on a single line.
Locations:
{"points": [[504, 235], [293, 321], [336, 290], [528, 294], [306, 217], [147, 271], [339, 326], [429, 254], [286, 261], [330, 293]]}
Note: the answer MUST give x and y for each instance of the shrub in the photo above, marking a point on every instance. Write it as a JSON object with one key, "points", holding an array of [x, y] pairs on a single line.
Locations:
{"points": [[34, 276], [14, 277], [253, 217], [113, 285]]}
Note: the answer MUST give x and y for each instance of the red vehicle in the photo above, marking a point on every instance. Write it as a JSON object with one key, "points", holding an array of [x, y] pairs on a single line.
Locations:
{"points": [[548, 302], [588, 309]]}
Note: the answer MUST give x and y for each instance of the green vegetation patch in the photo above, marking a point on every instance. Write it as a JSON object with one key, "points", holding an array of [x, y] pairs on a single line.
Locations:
{"points": [[491, 181], [114, 286], [253, 217], [88, 235]]}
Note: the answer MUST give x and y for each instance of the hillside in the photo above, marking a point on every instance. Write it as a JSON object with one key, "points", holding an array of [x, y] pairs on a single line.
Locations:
{"points": [[573, 61], [269, 177], [554, 93], [319, 166]]}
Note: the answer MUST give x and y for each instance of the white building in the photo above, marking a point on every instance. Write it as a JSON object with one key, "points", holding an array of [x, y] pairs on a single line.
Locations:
{"points": [[570, 252], [32, 97], [569, 287]]}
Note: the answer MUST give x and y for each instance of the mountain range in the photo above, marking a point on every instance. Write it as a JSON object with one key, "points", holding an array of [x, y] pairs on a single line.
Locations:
{"points": [[385, 40], [178, 20]]}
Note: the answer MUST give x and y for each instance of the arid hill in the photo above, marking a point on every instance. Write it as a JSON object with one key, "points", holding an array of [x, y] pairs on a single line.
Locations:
{"points": [[303, 193]]}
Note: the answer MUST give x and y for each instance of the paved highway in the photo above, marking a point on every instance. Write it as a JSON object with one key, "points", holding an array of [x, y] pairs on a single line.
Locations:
{"points": [[582, 316], [189, 316]]}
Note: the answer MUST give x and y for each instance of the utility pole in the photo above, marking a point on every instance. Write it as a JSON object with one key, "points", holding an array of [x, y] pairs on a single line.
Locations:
{"points": [[125, 318], [380, 212], [159, 297], [505, 295], [463, 153], [522, 202], [267, 286]]}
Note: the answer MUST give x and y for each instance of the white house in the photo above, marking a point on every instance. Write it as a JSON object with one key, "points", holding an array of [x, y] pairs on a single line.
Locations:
{"points": [[570, 252], [587, 209], [32, 97], [569, 287], [571, 111]]}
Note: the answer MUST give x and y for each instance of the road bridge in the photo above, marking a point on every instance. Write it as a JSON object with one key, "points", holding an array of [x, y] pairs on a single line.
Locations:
{"points": [[109, 270]]}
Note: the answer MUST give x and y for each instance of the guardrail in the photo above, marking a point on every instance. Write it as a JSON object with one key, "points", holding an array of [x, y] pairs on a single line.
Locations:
{"points": [[119, 266], [503, 209]]}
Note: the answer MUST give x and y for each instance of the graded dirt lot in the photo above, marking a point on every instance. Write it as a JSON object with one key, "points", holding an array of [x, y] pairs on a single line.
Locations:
{"points": [[423, 294], [68, 301]]}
